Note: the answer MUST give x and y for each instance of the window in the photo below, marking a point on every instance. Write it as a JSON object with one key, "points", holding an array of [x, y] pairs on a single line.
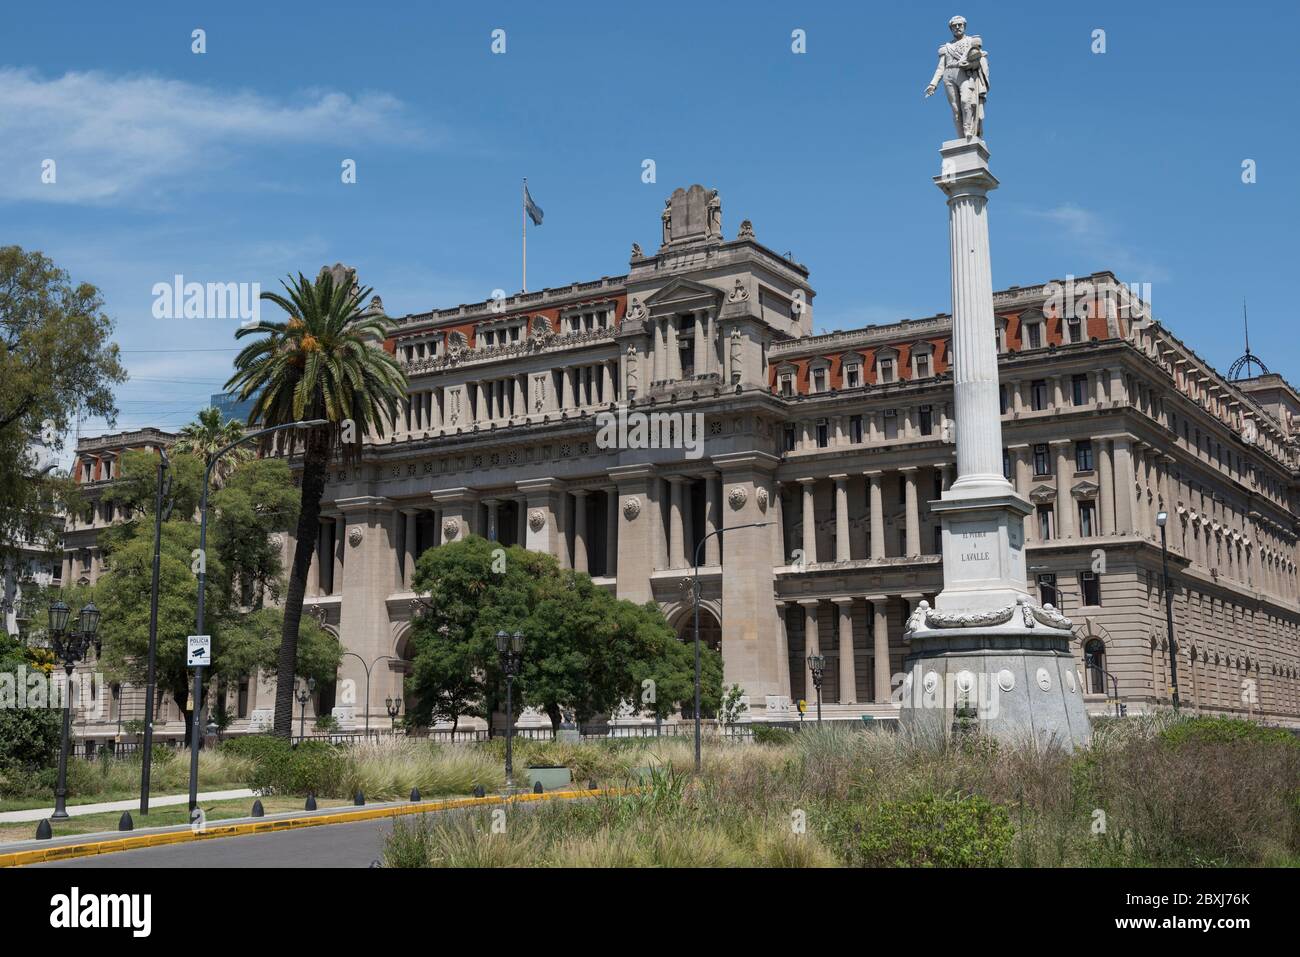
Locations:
{"points": [[1045, 523], [1079, 389], [823, 433], [789, 436], [852, 377], [787, 384], [927, 420], [1033, 336], [1074, 328], [819, 380], [1083, 455], [938, 483], [886, 370], [1000, 336], [891, 423], [1090, 587], [1042, 460], [1006, 465], [855, 429], [923, 365], [1086, 529], [1094, 662], [1002, 399], [1038, 394], [1047, 593], [938, 541]]}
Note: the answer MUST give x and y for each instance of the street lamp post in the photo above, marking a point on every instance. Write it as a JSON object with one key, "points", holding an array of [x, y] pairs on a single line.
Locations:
{"points": [[69, 647], [366, 668], [695, 598], [162, 490], [303, 694], [1161, 519], [394, 707], [510, 649], [817, 665], [195, 716]]}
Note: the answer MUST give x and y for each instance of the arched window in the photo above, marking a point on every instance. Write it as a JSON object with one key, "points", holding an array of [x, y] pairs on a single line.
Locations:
{"points": [[1094, 662]]}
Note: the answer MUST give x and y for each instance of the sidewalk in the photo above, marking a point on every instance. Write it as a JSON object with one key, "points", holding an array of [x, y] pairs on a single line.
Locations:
{"points": [[161, 800]]}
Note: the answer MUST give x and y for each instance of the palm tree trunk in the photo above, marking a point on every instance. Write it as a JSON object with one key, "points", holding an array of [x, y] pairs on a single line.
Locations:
{"points": [[315, 460]]}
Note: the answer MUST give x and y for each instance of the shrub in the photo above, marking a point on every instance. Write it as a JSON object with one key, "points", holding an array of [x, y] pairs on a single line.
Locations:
{"points": [[29, 739], [928, 832], [764, 734], [313, 767], [1225, 731]]}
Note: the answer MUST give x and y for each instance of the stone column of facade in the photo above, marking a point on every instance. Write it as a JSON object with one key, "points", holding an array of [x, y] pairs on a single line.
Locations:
{"points": [[751, 649], [606, 383], [676, 536], [566, 391], [877, 516], [580, 558], [711, 342], [493, 533], [1064, 501], [542, 525], [365, 584], [809, 519], [521, 404], [1106, 491], [712, 516], [611, 531], [339, 555], [811, 646], [699, 342], [880, 644], [637, 534], [912, 517], [779, 558], [521, 521], [842, 544], [1124, 503], [848, 664], [412, 518], [673, 352], [563, 522]]}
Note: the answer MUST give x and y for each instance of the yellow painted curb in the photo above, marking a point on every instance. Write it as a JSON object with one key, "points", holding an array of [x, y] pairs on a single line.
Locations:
{"points": [[92, 848]]}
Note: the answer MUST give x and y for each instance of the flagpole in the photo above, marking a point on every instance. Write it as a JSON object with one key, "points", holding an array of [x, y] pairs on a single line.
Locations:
{"points": [[523, 209]]}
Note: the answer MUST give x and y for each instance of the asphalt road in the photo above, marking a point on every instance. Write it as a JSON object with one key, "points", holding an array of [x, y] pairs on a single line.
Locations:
{"points": [[329, 845]]}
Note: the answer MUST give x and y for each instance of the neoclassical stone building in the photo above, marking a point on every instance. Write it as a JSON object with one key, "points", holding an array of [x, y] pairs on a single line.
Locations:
{"points": [[827, 449]]}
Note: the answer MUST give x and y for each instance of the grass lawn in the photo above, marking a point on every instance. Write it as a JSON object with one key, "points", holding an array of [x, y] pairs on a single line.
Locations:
{"points": [[161, 816]]}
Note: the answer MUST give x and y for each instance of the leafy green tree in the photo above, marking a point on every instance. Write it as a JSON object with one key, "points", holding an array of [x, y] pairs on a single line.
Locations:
{"points": [[587, 651], [326, 362], [56, 362]]}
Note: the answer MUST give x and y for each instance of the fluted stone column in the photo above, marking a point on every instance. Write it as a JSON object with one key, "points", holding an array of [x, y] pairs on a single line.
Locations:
{"points": [[880, 643], [1064, 511], [492, 531], [712, 517], [1124, 500], [809, 521], [877, 516], [1106, 493], [676, 530], [842, 544], [912, 515], [580, 561], [848, 666], [673, 353], [412, 517]]}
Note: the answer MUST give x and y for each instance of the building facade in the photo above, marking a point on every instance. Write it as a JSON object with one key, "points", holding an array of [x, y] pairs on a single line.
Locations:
{"points": [[820, 453]]}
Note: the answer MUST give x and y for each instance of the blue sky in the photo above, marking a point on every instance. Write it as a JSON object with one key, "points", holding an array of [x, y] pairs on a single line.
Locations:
{"points": [[225, 166]]}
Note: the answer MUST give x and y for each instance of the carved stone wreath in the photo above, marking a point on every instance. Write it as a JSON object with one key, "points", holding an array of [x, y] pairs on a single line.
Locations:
{"points": [[355, 534], [632, 508], [1030, 614], [737, 497], [451, 528], [537, 520]]}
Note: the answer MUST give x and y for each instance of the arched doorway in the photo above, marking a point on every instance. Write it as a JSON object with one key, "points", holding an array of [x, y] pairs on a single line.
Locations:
{"points": [[1094, 663], [710, 637]]}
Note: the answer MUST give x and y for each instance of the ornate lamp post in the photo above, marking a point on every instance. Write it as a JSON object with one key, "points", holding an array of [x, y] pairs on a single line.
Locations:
{"points": [[367, 666], [303, 694], [817, 665], [1161, 518], [69, 647], [510, 649], [394, 707]]}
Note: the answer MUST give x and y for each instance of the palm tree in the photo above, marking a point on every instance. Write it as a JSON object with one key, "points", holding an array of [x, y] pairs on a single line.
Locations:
{"points": [[208, 435], [325, 362]]}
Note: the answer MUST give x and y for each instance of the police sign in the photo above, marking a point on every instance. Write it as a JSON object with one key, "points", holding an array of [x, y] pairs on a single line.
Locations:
{"points": [[200, 651]]}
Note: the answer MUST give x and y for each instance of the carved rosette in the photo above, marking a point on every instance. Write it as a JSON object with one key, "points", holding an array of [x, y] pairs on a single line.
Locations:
{"points": [[737, 497], [632, 508], [537, 520], [760, 497], [355, 534], [450, 528]]}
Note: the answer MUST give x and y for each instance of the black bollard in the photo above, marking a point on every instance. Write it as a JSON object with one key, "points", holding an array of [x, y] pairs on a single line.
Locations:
{"points": [[415, 795], [591, 785], [537, 788], [311, 802], [258, 810], [125, 823], [480, 791], [358, 799], [43, 832]]}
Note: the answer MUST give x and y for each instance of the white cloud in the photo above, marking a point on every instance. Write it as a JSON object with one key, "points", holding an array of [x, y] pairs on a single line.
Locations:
{"points": [[1092, 236], [118, 139]]}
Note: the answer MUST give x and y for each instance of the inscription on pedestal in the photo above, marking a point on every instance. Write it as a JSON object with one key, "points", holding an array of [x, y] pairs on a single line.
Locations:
{"points": [[971, 549]]}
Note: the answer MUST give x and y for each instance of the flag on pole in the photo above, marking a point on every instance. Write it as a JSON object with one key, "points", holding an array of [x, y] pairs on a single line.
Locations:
{"points": [[534, 211]]}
